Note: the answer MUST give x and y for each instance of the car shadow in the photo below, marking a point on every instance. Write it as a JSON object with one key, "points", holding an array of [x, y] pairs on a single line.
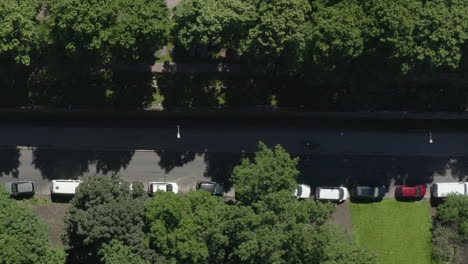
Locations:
{"points": [[408, 199], [364, 201]]}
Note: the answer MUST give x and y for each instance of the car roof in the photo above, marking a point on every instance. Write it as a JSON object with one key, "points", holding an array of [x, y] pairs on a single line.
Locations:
{"points": [[25, 187]]}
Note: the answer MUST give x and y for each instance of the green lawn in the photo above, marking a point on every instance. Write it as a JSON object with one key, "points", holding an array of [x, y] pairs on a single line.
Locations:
{"points": [[399, 232]]}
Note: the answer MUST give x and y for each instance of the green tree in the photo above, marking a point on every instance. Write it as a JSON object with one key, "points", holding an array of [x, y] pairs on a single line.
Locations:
{"points": [[178, 224], [415, 36], [117, 253], [277, 34], [18, 36], [105, 209], [454, 212], [337, 34], [211, 23], [19, 41], [441, 34], [272, 170], [23, 236], [108, 31]]}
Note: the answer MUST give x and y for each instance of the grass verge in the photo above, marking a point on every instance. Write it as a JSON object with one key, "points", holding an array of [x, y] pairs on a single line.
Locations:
{"points": [[399, 232]]}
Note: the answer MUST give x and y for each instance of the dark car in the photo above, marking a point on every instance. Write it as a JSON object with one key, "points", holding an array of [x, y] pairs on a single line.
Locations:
{"points": [[415, 192], [368, 192], [212, 187], [20, 188]]}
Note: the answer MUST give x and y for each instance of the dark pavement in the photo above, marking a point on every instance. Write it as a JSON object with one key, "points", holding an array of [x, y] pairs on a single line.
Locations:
{"points": [[334, 157]]}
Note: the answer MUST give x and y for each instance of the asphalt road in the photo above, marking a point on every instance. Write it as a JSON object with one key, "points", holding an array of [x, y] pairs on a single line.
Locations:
{"points": [[334, 156]]}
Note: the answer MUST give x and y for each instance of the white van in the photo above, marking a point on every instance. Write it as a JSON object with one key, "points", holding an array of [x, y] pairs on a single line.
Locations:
{"points": [[443, 189], [64, 187], [338, 194]]}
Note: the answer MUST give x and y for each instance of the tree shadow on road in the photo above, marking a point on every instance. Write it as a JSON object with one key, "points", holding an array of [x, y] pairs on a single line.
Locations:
{"points": [[9, 162], [342, 170], [219, 166], [62, 164], [72, 164], [112, 161], [169, 160]]}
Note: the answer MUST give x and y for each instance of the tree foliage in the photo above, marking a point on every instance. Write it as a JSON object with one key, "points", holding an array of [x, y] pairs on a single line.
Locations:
{"points": [[199, 228], [270, 227], [210, 23], [117, 253], [105, 209], [451, 230], [108, 31], [402, 36], [173, 220], [272, 170], [23, 236], [18, 34], [454, 212], [336, 35]]}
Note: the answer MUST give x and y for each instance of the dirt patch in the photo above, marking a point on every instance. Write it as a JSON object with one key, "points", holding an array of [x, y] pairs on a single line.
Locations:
{"points": [[343, 217], [172, 3], [53, 215]]}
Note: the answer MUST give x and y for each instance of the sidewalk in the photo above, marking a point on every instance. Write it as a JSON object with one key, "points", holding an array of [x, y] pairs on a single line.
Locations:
{"points": [[242, 112]]}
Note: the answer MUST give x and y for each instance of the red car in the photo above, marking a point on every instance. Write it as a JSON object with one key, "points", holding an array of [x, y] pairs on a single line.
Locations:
{"points": [[404, 191]]}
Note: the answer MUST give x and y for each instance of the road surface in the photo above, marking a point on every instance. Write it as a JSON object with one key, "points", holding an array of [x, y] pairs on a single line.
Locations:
{"points": [[333, 157]]}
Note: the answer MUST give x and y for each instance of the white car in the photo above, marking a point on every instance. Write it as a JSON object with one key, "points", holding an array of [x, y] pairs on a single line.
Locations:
{"points": [[337, 194], [163, 186], [443, 189], [64, 187], [302, 191]]}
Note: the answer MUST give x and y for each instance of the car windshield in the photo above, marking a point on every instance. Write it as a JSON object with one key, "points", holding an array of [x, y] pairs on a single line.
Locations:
{"points": [[14, 187], [169, 187], [219, 188], [418, 191], [299, 191], [341, 193]]}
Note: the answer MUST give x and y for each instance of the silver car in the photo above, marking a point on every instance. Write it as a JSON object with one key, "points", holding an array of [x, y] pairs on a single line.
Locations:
{"points": [[20, 188]]}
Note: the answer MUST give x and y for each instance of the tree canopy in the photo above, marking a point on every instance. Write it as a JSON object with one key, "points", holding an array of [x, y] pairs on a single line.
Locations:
{"points": [[117, 252], [105, 209], [23, 236], [272, 227], [18, 34], [200, 228], [272, 170], [402, 36], [108, 31]]}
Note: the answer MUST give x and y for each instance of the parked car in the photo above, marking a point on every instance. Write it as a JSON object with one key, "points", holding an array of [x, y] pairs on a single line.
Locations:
{"points": [[163, 186], [20, 188], [302, 191], [64, 187], [368, 192], [212, 187], [337, 194], [405, 191], [440, 190]]}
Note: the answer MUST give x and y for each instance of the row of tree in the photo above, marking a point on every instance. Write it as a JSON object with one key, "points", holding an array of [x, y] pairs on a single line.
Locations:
{"points": [[398, 35], [111, 223], [82, 32], [403, 34], [337, 43], [54, 52]]}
